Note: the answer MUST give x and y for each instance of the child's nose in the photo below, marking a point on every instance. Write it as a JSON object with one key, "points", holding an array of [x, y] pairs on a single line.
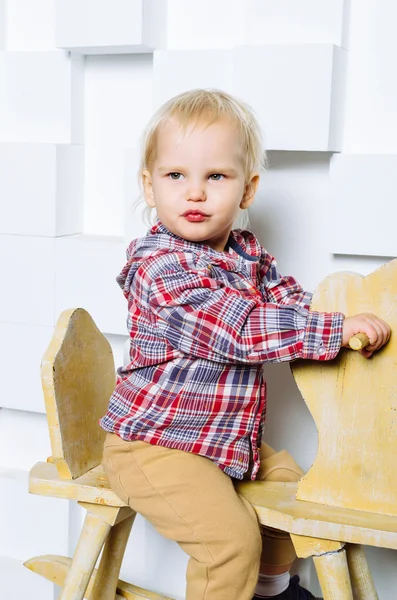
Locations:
{"points": [[197, 193]]}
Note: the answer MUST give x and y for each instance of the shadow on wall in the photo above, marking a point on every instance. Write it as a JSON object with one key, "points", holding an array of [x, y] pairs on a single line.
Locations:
{"points": [[289, 423]]}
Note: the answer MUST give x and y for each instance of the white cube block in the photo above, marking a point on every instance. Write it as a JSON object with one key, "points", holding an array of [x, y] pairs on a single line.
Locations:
{"points": [[292, 22], [41, 97], [176, 71], [118, 93], [30, 525], [27, 270], [30, 25], [205, 24], [29, 584], [363, 204], [297, 93], [85, 273], [42, 189], [17, 342], [110, 26], [104, 193], [2, 24], [33, 429]]}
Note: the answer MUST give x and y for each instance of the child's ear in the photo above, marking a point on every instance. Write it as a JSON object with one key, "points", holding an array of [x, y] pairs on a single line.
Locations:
{"points": [[250, 190], [148, 188]]}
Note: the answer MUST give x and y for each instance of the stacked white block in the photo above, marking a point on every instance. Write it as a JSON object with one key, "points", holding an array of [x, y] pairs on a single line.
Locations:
{"points": [[297, 91], [29, 25], [22, 348], [29, 584], [2, 24], [41, 97], [85, 271], [204, 24], [292, 22], [175, 71], [110, 26], [226, 23], [27, 270], [42, 189], [363, 205], [32, 428], [29, 524]]}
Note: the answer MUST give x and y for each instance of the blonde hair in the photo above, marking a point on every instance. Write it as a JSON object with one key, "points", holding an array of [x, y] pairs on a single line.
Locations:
{"points": [[210, 105]]}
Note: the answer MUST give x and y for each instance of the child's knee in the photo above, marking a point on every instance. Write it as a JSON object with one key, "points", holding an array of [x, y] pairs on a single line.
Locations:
{"points": [[278, 466]]}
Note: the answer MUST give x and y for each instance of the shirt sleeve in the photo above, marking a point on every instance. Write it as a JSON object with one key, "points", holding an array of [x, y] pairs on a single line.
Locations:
{"points": [[202, 317]]}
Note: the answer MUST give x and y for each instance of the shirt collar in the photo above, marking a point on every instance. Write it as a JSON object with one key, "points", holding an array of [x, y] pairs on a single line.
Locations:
{"points": [[244, 244]]}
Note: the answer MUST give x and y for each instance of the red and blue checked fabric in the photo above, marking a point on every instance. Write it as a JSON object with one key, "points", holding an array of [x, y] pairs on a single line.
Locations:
{"points": [[202, 323]]}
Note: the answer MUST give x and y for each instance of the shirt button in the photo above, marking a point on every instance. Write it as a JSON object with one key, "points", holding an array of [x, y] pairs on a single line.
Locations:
{"points": [[321, 350]]}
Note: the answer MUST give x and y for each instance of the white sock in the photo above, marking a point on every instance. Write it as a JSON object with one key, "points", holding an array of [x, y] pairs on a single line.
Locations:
{"points": [[271, 585]]}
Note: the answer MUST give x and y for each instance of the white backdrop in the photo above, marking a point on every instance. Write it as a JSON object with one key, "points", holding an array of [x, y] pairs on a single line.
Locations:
{"points": [[78, 81]]}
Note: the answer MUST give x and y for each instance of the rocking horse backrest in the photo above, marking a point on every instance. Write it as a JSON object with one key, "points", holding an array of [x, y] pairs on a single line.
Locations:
{"points": [[78, 377], [353, 401]]}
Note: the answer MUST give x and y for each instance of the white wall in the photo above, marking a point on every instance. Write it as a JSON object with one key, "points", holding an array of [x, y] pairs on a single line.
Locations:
{"points": [[321, 76]]}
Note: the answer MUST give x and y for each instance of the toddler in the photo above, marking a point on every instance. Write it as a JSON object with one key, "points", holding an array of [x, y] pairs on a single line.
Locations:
{"points": [[207, 308]]}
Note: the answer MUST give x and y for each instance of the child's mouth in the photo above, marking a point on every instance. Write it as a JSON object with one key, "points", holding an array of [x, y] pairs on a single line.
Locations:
{"points": [[195, 216]]}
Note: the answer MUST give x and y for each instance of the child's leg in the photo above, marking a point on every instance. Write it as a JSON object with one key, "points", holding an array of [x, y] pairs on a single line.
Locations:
{"points": [[190, 500], [278, 552]]}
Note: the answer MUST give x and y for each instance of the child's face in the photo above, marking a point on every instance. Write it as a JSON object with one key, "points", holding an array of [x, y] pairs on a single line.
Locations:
{"points": [[197, 181]]}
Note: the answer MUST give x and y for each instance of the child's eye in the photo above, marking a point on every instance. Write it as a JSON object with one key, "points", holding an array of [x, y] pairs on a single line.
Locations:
{"points": [[216, 176], [175, 176]]}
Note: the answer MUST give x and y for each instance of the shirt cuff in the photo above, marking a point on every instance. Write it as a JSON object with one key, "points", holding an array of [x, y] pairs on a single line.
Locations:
{"points": [[323, 335]]}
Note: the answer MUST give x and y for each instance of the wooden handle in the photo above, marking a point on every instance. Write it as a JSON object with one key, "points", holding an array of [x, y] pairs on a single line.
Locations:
{"points": [[358, 341]]}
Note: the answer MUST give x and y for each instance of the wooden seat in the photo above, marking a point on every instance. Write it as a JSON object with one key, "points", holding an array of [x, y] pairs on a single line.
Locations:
{"points": [[78, 377], [349, 495]]}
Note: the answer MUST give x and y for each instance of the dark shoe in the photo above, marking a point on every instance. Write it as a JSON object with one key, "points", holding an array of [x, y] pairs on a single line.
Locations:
{"points": [[293, 592]]}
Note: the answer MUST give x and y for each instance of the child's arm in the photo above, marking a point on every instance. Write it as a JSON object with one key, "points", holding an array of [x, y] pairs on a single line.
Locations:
{"points": [[202, 317], [286, 290]]}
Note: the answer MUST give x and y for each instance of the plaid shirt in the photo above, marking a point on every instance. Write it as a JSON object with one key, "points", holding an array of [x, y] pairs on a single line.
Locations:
{"points": [[202, 323]]}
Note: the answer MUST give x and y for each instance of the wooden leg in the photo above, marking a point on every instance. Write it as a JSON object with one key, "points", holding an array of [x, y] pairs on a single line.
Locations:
{"points": [[55, 569], [333, 575], [106, 580], [90, 544], [360, 575]]}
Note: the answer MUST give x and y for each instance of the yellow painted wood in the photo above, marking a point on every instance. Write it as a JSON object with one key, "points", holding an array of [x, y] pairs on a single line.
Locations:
{"points": [[360, 575], [353, 401], [78, 377], [276, 506], [358, 341], [91, 540], [91, 487], [110, 514], [333, 575], [107, 577], [55, 569], [350, 492], [309, 546]]}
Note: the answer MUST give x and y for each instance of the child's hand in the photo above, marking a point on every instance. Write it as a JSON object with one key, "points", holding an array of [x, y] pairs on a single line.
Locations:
{"points": [[377, 331]]}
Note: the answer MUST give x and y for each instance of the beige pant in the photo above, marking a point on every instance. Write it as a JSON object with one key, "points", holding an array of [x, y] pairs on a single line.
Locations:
{"points": [[190, 500]]}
